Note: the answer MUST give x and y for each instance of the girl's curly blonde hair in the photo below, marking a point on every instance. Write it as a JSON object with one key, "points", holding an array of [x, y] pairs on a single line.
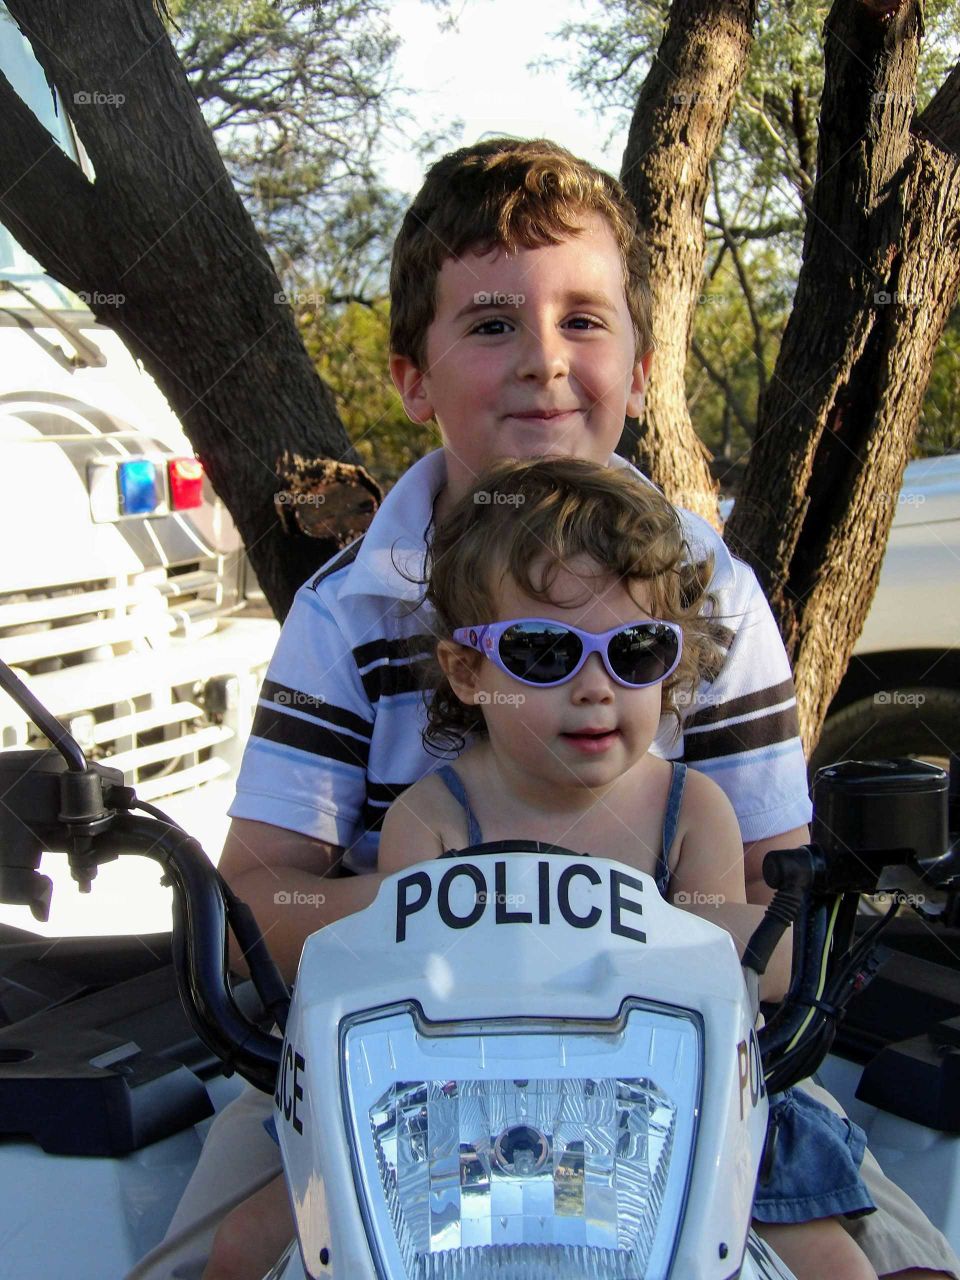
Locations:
{"points": [[526, 519]]}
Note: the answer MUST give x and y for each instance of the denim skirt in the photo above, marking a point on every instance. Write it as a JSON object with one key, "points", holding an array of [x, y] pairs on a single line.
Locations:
{"points": [[814, 1170]]}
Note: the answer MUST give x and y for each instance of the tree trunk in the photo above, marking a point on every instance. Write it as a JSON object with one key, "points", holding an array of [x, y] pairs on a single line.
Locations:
{"points": [[163, 228], [679, 119], [880, 275]]}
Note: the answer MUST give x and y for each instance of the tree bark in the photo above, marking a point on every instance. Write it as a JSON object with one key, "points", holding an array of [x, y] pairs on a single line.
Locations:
{"points": [[880, 276], [679, 119], [162, 228]]}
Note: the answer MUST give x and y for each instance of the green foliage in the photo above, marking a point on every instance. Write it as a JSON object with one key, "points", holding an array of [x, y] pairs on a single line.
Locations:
{"points": [[940, 418], [723, 373], [350, 346]]}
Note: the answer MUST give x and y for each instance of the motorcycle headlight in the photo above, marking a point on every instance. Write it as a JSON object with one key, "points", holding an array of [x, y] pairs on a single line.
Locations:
{"points": [[546, 1151]]}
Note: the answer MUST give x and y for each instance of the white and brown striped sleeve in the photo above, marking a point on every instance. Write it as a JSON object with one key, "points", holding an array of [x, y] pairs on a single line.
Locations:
{"points": [[305, 764], [742, 727]]}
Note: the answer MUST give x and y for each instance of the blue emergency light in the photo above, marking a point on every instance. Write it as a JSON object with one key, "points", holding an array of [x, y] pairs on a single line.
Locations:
{"points": [[140, 489]]}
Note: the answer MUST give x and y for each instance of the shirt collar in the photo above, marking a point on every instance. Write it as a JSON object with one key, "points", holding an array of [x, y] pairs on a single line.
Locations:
{"points": [[391, 558]]}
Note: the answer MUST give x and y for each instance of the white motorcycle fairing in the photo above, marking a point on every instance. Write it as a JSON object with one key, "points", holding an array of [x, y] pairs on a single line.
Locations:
{"points": [[447, 1045]]}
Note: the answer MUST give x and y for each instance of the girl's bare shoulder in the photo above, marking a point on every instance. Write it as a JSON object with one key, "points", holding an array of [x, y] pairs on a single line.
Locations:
{"points": [[705, 813], [702, 797], [422, 822]]}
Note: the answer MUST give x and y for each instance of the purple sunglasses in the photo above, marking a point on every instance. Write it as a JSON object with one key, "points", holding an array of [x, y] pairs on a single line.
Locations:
{"points": [[541, 652]]}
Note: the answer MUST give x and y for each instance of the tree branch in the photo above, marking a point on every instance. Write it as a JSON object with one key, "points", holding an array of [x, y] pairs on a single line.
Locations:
{"points": [[743, 231], [806, 153], [723, 383], [36, 165], [940, 120], [745, 288]]}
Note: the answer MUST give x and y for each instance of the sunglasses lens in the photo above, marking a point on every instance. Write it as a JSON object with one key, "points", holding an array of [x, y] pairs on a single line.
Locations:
{"points": [[644, 653], [538, 652]]}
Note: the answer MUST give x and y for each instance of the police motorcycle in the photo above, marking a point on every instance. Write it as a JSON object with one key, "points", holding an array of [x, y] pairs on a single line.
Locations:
{"points": [[517, 1061]]}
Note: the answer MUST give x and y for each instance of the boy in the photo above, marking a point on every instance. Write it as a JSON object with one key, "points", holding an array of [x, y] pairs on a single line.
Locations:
{"points": [[542, 348], [520, 323]]}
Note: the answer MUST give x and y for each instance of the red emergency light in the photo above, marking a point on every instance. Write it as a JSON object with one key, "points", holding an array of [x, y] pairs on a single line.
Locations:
{"points": [[186, 483]]}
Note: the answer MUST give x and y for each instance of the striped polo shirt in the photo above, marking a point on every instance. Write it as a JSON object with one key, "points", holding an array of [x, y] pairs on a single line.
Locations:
{"points": [[337, 732]]}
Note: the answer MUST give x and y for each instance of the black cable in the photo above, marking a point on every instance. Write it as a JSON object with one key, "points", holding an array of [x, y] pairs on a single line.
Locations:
{"points": [[271, 988], [154, 812], [46, 722], [858, 956], [781, 912], [273, 992], [810, 937], [817, 1039]]}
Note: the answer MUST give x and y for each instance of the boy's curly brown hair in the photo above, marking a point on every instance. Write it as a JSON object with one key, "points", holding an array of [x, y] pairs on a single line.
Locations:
{"points": [[512, 193], [525, 519]]}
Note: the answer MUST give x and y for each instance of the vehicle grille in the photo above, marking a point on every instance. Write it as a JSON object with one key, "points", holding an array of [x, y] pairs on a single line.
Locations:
{"points": [[118, 662]]}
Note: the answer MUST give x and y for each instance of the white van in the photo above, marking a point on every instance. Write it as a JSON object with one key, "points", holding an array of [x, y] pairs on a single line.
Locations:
{"points": [[125, 596]]}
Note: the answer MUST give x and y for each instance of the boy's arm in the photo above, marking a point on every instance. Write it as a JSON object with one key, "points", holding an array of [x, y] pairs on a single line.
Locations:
{"points": [[303, 781], [758, 890], [708, 878], [742, 730], [289, 880], [290, 883]]}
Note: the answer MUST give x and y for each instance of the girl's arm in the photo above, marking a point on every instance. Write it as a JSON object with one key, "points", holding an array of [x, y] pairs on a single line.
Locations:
{"points": [[411, 828], [709, 877]]}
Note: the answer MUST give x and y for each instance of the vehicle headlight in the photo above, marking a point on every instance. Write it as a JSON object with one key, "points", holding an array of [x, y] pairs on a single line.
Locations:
{"points": [[547, 1151]]}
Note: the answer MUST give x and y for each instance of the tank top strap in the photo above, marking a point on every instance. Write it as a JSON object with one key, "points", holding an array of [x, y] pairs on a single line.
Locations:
{"points": [[671, 817], [447, 774]]}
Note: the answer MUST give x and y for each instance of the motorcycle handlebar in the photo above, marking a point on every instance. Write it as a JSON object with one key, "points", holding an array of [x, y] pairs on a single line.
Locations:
{"points": [[200, 945]]}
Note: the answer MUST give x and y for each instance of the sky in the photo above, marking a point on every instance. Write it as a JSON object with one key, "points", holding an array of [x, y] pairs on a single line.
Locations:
{"points": [[479, 74]]}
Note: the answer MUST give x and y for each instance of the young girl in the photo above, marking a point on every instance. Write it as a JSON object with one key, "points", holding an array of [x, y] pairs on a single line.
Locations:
{"points": [[572, 626]]}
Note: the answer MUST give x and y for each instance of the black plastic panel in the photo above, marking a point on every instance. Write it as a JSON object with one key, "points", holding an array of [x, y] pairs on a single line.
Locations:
{"points": [[905, 1027], [98, 1071]]}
